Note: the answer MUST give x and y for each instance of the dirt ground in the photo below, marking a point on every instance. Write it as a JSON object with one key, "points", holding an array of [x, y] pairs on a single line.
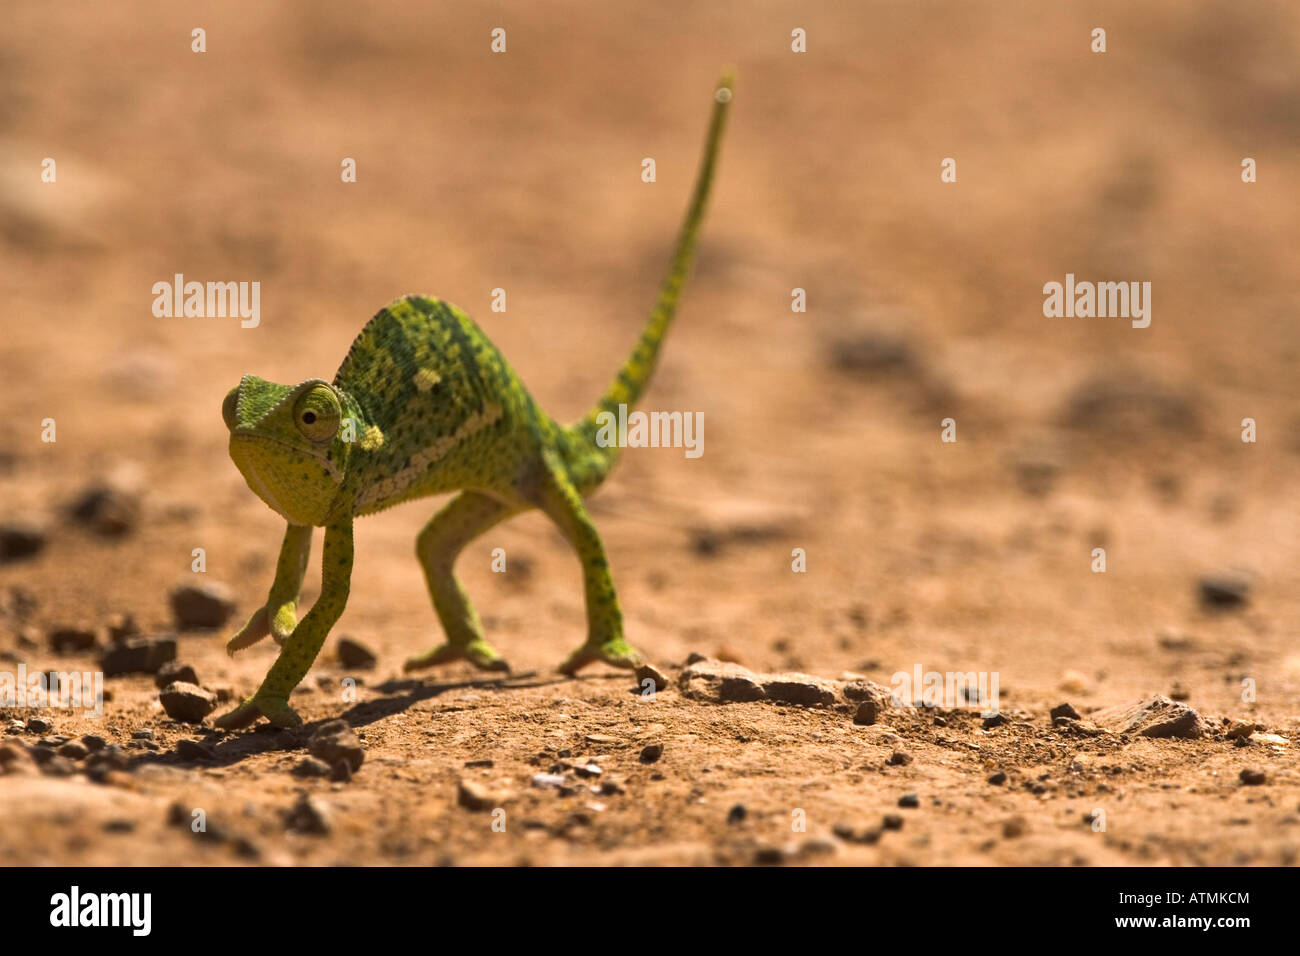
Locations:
{"points": [[522, 171]]}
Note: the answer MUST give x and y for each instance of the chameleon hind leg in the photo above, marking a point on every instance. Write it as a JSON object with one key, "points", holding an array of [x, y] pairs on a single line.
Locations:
{"points": [[557, 496], [439, 543]]}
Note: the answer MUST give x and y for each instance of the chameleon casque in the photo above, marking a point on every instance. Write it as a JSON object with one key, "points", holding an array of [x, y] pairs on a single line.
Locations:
{"points": [[422, 405]]}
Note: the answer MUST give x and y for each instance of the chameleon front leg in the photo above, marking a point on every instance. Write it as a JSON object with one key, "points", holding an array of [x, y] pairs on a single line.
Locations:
{"points": [[301, 647], [556, 495], [278, 616]]}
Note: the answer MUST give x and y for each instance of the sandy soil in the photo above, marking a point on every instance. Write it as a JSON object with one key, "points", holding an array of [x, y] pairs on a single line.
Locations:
{"points": [[522, 171]]}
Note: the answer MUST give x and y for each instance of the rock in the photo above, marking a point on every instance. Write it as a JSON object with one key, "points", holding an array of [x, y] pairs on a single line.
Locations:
{"points": [[20, 540], [72, 640], [867, 713], [108, 509], [1254, 778], [74, 750], [144, 733], [802, 690], [819, 846], [1014, 827], [863, 690], [473, 795], [998, 779], [737, 813], [996, 720], [122, 626], [308, 815], [891, 821], [648, 672], [1074, 682], [111, 758], [899, 758], [341, 771], [1224, 591], [909, 801], [719, 682], [187, 702], [311, 767], [1171, 640], [1077, 728], [353, 654], [773, 855], [15, 727], [1153, 717], [39, 725], [1119, 404], [725, 652], [1065, 710], [852, 834], [716, 681], [174, 671], [138, 655], [745, 522], [12, 753], [334, 741], [57, 766], [188, 749], [872, 353], [651, 753], [202, 606], [587, 770]]}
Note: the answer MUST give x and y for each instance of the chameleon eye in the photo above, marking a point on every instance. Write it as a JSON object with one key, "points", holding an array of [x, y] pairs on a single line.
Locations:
{"points": [[228, 407], [317, 413]]}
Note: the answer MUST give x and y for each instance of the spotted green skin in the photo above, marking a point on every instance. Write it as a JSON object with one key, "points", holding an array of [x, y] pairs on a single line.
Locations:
{"points": [[424, 404]]}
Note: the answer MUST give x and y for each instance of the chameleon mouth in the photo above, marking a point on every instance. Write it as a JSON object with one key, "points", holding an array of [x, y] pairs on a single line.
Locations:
{"points": [[251, 436]]}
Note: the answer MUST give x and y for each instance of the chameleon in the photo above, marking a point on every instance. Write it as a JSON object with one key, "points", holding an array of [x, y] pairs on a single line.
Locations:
{"points": [[424, 404]]}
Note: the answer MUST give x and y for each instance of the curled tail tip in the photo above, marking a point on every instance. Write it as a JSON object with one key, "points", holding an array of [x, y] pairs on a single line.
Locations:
{"points": [[726, 85]]}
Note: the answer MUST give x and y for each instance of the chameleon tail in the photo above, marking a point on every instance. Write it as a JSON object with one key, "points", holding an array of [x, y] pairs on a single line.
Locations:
{"points": [[635, 374]]}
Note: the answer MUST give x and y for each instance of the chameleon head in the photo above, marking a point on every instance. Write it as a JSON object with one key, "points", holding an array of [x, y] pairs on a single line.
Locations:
{"points": [[288, 442]]}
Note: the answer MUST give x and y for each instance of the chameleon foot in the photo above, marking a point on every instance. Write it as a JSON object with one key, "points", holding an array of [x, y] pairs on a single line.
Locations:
{"points": [[278, 712], [479, 653], [616, 652]]}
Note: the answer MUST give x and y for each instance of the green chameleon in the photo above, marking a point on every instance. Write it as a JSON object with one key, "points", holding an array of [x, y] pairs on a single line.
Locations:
{"points": [[424, 404]]}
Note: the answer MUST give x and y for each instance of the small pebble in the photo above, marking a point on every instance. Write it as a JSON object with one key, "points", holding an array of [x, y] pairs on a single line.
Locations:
{"points": [[186, 702], [353, 654], [311, 767], [201, 606], [309, 815], [188, 749], [174, 671]]}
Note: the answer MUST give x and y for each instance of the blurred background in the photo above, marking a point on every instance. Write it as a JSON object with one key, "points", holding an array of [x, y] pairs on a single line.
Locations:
{"points": [[522, 171]]}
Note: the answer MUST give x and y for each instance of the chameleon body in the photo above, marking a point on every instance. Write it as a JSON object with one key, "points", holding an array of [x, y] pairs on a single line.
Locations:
{"points": [[424, 404]]}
